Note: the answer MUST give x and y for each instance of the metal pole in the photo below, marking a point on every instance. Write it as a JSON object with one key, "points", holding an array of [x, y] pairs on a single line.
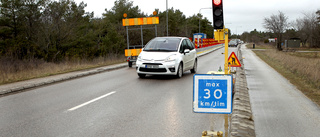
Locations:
{"points": [[167, 17], [213, 33], [199, 20], [200, 16], [226, 71], [199, 28], [127, 37], [141, 36], [199, 23], [156, 29]]}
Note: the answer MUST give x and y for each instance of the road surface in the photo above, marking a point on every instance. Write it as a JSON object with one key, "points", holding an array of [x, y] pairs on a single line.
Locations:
{"points": [[279, 109], [114, 103]]}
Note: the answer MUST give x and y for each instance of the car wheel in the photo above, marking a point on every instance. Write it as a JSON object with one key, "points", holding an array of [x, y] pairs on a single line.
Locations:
{"points": [[142, 75], [180, 71], [194, 69], [129, 64]]}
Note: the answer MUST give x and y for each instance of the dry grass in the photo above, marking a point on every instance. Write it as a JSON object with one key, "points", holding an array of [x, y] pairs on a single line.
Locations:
{"points": [[305, 54], [12, 70], [259, 46], [301, 69]]}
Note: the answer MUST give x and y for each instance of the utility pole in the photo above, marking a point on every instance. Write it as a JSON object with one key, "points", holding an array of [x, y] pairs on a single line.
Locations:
{"points": [[167, 17], [199, 23]]}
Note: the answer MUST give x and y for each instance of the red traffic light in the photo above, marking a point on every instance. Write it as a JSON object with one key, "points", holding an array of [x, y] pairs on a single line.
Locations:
{"points": [[217, 10], [216, 2]]}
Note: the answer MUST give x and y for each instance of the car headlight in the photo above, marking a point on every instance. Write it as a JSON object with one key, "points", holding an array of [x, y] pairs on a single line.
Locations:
{"points": [[139, 58], [171, 58]]}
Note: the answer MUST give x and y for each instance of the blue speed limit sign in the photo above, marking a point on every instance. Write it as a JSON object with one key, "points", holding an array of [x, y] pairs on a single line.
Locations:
{"points": [[212, 93]]}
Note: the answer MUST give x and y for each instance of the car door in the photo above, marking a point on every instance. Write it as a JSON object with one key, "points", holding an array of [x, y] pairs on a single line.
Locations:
{"points": [[193, 53], [184, 56], [188, 56]]}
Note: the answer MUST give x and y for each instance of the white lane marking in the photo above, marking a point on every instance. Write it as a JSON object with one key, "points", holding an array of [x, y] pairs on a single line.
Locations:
{"points": [[91, 101]]}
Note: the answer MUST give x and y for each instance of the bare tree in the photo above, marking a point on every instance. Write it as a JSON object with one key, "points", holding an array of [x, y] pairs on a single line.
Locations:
{"points": [[277, 24], [318, 15], [318, 28], [308, 29]]}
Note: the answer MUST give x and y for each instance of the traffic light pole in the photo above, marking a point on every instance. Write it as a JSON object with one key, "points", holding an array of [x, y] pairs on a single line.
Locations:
{"points": [[226, 41], [218, 24]]}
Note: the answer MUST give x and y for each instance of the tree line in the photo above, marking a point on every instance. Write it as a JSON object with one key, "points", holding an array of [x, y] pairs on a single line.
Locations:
{"points": [[62, 30], [307, 29], [56, 31]]}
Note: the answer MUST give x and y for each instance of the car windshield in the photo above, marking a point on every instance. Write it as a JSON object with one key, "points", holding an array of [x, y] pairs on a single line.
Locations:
{"points": [[163, 44], [232, 42]]}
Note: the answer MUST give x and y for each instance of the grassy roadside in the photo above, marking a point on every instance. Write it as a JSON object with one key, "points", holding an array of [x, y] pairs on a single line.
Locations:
{"points": [[12, 70], [302, 69]]}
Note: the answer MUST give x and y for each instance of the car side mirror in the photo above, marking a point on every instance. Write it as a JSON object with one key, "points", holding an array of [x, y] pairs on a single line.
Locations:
{"points": [[186, 50]]}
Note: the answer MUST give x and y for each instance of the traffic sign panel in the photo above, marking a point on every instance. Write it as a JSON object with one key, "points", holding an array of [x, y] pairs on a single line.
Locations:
{"points": [[233, 60], [140, 21], [212, 93]]}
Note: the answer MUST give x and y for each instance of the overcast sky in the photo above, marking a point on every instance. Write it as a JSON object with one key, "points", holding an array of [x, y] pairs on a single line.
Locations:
{"points": [[239, 15]]}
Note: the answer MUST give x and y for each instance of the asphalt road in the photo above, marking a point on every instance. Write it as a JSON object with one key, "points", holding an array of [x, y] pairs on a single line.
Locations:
{"points": [[279, 109], [114, 103]]}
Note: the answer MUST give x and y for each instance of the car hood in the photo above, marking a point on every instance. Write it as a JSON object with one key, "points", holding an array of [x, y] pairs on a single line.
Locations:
{"points": [[156, 56]]}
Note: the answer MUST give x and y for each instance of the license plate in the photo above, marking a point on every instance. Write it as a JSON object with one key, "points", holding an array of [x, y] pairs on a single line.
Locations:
{"points": [[152, 66]]}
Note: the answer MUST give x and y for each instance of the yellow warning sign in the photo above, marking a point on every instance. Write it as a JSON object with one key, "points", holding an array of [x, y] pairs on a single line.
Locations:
{"points": [[233, 60]]}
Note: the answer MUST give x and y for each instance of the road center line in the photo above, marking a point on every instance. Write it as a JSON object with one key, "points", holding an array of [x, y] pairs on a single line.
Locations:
{"points": [[91, 101]]}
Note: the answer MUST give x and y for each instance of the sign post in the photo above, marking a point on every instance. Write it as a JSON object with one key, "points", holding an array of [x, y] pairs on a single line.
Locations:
{"points": [[212, 93], [226, 41]]}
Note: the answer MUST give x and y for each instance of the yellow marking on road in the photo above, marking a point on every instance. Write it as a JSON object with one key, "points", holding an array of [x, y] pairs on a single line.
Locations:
{"points": [[208, 50]]}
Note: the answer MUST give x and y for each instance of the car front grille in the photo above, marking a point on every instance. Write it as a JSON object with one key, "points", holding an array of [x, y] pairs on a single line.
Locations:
{"points": [[153, 70], [152, 63]]}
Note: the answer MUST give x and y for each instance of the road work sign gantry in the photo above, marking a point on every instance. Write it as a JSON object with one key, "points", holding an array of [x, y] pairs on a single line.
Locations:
{"points": [[139, 21], [132, 54]]}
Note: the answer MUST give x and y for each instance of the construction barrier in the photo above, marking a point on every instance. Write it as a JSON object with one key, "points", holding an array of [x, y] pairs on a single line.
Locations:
{"points": [[206, 42], [132, 52], [202, 44]]}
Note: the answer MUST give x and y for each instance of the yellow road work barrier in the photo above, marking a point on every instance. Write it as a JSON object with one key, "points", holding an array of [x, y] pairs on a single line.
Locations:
{"points": [[140, 21], [132, 52]]}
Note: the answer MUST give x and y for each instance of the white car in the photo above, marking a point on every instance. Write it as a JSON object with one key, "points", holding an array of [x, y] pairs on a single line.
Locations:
{"points": [[167, 56]]}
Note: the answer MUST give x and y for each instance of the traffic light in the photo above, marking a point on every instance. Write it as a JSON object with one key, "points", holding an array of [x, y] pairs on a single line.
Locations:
{"points": [[217, 10]]}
